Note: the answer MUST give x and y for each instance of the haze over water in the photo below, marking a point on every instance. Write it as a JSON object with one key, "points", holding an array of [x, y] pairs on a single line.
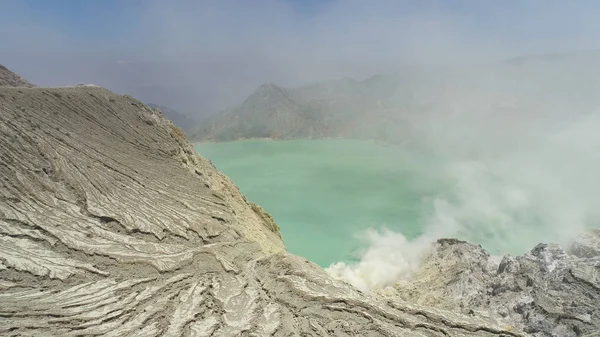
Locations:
{"points": [[374, 209], [323, 193]]}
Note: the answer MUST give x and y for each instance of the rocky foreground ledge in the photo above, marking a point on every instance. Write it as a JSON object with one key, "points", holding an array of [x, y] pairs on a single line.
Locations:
{"points": [[112, 225], [546, 292]]}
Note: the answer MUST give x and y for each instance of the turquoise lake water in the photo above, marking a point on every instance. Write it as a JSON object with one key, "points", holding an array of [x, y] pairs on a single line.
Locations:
{"points": [[325, 193]]}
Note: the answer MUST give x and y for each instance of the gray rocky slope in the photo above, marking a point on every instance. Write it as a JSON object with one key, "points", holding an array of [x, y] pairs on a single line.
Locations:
{"points": [[111, 225], [546, 292], [10, 79]]}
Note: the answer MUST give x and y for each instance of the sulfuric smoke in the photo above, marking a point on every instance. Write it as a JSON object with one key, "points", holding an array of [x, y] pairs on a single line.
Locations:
{"points": [[514, 179]]}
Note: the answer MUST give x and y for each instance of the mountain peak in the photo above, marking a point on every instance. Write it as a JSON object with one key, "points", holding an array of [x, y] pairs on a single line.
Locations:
{"points": [[10, 79], [267, 91], [266, 87]]}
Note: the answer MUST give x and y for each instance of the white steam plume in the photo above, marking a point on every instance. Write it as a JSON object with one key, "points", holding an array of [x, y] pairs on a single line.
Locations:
{"points": [[508, 189]]}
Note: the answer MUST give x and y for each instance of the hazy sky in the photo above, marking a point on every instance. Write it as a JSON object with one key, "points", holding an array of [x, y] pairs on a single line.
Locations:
{"points": [[202, 56]]}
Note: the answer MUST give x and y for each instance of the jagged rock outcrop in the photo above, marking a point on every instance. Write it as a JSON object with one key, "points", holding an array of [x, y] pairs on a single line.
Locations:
{"points": [[10, 79], [111, 225], [545, 292]]}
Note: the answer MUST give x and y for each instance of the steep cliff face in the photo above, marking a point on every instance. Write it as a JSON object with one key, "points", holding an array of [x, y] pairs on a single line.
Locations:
{"points": [[111, 225]]}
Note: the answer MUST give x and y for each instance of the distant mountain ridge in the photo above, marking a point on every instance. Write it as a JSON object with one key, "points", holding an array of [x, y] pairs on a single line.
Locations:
{"points": [[375, 108], [10, 79], [392, 107], [181, 120], [320, 110]]}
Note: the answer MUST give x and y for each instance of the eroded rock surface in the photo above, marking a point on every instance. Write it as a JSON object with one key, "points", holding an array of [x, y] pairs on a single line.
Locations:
{"points": [[111, 225], [10, 79], [545, 292]]}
